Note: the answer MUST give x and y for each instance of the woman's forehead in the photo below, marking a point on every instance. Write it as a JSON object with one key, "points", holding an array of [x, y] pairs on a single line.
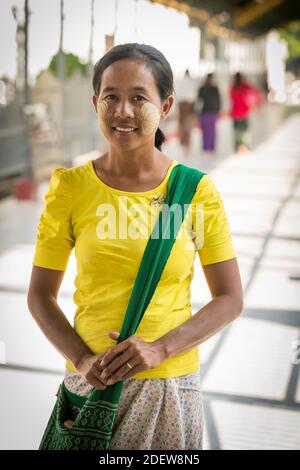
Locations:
{"points": [[129, 74]]}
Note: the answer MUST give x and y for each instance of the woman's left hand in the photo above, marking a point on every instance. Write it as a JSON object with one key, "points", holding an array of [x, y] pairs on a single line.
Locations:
{"points": [[135, 351]]}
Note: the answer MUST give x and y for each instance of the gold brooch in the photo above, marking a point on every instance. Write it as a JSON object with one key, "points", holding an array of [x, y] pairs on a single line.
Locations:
{"points": [[158, 199]]}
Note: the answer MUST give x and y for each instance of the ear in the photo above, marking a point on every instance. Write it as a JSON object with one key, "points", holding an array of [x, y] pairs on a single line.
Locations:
{"points": [[95, 99], [167, 105]]}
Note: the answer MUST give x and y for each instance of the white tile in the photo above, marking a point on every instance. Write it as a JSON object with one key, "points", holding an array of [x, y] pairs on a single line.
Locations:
{"points": [[283, 249], [16, 266], [260, 184], [255, 360], [18, 221], [250, 215], [288, 223], [25, 344], [248, 246], [260, 161], [272, 288], [27, 400], [250, 427], [207, 348], [283, 255]]}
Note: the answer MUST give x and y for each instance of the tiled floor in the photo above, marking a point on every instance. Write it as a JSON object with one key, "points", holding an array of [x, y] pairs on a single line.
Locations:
{"points": [[251, 427], [251, 386], [26, 403]]}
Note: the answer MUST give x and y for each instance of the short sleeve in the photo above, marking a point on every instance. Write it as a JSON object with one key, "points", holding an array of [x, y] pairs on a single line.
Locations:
{"points": [[54, 241], [213, 239]]}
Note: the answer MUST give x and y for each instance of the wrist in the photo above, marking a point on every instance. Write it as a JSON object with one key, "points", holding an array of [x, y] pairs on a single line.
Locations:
{"points": [[78, 360], [162, 349]]}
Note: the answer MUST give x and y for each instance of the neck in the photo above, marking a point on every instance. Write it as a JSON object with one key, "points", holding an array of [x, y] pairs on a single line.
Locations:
{"points": [[132, 163]]}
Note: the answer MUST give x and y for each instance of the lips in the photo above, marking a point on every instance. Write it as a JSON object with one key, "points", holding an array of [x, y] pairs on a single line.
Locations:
{"points": [[124, 129]]}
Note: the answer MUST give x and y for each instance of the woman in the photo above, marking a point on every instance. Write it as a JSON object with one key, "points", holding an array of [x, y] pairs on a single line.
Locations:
{"points": [[209, 97], [161, 403]]}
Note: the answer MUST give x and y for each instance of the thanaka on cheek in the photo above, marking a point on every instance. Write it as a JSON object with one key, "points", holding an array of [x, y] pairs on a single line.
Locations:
{"points": [[102, 108], [150, 117]]}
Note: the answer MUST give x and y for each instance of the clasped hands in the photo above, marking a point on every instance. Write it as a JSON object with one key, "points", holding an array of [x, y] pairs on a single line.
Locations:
{"points": [[110, 367]]}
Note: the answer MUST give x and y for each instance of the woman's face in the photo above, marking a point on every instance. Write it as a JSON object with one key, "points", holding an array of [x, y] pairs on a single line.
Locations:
{"points": [[129, 107]]}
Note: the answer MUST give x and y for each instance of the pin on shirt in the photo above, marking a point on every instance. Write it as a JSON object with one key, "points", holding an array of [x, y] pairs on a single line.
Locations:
{"points": [[158, 199]]}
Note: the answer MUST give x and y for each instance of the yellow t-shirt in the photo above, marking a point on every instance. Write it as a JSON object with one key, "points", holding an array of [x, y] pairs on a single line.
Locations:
{"points": [[82, 211]]}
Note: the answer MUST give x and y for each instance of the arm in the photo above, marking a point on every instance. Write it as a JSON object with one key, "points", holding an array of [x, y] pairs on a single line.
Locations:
{"points": [[224, 282], [42, 304]]}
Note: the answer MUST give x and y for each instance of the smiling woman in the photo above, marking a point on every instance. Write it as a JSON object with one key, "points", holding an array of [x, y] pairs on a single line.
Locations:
{"points": [[134, 344], [130, 93]]}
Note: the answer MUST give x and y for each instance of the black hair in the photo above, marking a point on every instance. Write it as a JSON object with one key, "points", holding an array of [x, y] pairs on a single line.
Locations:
{"points": [[237, 79], [152, 58], [209, 77]]}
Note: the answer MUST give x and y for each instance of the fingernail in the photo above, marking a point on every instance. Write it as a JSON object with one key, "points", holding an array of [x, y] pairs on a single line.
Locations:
{"points": [[109, 382]]}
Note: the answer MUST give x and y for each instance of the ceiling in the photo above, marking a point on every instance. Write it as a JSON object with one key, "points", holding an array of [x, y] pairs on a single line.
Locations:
{"points": [[243, 17]]}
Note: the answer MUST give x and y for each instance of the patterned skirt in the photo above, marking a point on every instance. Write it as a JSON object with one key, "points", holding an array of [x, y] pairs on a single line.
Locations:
{"points": [[153, 414]]}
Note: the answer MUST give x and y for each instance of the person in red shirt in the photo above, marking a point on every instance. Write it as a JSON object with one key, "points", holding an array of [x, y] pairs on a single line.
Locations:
{"points": [[244, 97]]}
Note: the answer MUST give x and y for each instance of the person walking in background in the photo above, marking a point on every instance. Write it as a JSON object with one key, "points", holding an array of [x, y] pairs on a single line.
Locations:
{"points": [[244, 97], [186, 95], [209, 99]]}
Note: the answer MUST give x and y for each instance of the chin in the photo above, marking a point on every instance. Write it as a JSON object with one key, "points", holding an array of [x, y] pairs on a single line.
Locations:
{"points": [[125, 145], [129, 143]]}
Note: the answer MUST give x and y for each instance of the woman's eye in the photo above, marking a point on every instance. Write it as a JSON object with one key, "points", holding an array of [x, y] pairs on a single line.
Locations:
{"points": [[114, 97], [140, 97]]}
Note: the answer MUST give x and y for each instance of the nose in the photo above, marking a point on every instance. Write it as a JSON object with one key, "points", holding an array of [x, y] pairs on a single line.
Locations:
{"points": [[124, 109]]}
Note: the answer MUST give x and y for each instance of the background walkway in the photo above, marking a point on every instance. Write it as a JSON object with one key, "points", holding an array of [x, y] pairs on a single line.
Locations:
{"points": [[250, 384]]}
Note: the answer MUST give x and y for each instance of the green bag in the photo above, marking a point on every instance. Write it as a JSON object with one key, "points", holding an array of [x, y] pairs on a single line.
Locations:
{"points": [[92, 428]]}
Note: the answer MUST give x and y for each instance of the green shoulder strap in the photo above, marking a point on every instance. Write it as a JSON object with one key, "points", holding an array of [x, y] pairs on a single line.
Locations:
{"points": [[182, 185]]}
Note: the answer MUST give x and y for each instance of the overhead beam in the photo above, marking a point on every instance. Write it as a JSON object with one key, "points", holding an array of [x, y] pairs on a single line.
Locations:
{"points": [[212, 22], [185, 8], [245, 15]]}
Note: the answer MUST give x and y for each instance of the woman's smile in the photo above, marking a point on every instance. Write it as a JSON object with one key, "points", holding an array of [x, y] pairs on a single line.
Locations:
{"points": [[124, 131]]}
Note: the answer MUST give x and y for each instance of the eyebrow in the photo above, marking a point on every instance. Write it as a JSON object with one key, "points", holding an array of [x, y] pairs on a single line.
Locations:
{"points": [[136, 88]]}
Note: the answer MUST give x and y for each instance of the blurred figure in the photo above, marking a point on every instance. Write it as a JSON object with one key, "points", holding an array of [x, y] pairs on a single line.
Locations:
{"points": [[209, 100], [185, 93], [244, 97]]}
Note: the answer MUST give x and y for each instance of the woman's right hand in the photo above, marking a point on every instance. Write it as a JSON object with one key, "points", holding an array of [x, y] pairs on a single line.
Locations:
{"points": [[89, 367]]}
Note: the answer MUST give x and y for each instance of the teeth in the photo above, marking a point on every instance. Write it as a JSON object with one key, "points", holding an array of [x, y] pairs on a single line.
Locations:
{"points": [[123, 129]]}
